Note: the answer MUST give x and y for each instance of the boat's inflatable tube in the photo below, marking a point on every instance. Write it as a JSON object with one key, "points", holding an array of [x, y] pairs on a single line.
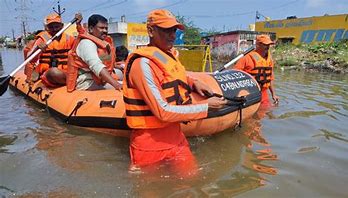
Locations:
{"points": [[105, 110]]}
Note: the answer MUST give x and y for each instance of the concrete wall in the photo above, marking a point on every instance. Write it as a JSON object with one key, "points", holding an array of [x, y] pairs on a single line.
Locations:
{"points": [[224, 46]]}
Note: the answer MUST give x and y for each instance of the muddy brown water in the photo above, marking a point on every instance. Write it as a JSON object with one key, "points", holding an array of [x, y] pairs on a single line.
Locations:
{"points": [[298, 149]]}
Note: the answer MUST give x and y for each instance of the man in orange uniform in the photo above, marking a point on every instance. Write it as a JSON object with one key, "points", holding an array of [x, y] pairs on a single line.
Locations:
{"points": [[28, 48], [157, 98], [92, 58], [259, 64], [52, 61]]}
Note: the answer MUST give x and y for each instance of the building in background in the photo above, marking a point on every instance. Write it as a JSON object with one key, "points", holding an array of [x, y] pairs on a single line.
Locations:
{"points": [[227, 45], [307, 30]]}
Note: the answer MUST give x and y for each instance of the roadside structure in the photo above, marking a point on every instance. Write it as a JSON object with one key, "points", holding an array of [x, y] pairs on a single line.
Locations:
{"points": [[225, 46], [327, 28]]}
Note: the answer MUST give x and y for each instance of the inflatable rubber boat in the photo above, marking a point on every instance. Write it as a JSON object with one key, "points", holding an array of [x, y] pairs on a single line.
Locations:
{"points": [[104, 110]]}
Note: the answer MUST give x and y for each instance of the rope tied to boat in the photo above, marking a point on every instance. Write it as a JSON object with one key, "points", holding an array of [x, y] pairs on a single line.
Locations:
{"points": [[240, 102], [76, 108], [38, 91], [235, 101]]}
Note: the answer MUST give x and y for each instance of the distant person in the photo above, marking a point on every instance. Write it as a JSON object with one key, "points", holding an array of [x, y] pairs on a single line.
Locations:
{"points": [[52, 61], [92, 58], [157, 98], [259, 64], [121, 57]]}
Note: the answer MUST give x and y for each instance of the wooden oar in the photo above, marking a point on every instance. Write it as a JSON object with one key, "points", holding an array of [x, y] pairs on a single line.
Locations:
{"points": [[234, 60], [4, 81]]}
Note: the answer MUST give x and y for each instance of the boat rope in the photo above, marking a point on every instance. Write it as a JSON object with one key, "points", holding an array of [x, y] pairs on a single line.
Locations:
{"points": [[38, 91], [235, 101], [15, 82], [77, 107], [240, 102]]}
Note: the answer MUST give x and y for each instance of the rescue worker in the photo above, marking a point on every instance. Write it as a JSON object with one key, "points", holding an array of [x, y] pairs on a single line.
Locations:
{"points": [[52, 61], [27, 48], [260, 65], [30, 43], [92, 58], [157, 98]]}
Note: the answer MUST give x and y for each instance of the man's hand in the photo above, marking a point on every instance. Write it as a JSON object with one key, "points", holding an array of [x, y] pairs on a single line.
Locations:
{"points": [[215, 103], [117, 86], [42, 46], [275, 99], [79, 18], [202, 88]]}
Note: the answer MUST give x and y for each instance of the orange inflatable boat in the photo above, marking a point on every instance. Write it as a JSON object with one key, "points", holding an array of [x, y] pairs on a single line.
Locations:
{"points": [[104, 110]]}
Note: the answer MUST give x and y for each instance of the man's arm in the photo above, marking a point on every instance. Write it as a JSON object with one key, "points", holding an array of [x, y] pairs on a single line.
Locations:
{"points": [[271, 87], [38, 44], [144, 79]]}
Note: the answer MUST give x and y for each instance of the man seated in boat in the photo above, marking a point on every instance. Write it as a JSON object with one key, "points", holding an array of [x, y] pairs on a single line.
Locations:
{"points": [[92, 58], [51, 64], [27, 48], [121, 57], [157, 98], [259, 64]]}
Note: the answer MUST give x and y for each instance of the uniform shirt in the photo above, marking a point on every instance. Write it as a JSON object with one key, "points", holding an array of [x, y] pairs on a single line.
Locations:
{"points": [[147, 80]]}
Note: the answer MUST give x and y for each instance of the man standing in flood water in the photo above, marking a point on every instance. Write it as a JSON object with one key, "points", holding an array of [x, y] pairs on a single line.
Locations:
{"points": [[157, 98], [259, 64]]}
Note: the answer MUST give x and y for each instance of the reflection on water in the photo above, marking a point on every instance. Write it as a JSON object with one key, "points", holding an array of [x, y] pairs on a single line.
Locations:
{"points": [[6, 140], [328, 134], [305, 137]]}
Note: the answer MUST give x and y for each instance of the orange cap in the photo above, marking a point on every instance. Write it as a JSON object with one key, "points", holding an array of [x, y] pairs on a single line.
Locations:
{"points": [[264, 39], [53, 18], [163, 19]]}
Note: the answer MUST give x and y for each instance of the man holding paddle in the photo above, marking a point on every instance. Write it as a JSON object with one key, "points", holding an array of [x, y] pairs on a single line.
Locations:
{"points": [[51, 64]]}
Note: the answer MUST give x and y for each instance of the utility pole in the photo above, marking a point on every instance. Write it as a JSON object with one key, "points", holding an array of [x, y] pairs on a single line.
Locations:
{"points": [[59, 11], [24, 31], [22, 10], [13, 36]]}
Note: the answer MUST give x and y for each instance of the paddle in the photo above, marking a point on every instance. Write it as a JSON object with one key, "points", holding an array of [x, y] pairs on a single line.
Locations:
{"points": [[234, 60], [4, 81]]}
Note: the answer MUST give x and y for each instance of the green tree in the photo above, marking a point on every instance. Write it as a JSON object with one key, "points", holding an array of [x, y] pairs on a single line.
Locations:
{"points": [[211, 31], [192, 34], [2, 39]]}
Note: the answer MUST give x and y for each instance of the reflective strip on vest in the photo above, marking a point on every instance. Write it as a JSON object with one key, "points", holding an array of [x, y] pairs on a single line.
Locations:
{"points": [[176, 91]]}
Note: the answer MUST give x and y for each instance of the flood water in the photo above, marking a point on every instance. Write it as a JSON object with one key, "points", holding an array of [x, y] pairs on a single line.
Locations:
{"points": [[297, 149]]}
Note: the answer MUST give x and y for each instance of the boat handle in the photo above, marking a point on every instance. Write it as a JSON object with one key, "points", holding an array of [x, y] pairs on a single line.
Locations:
{"points": [[107, 103]]}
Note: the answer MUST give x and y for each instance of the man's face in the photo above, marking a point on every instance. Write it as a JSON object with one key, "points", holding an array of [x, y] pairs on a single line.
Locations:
{"points": [[163, 38], [263, 48], [54, 28], [100, 30]]}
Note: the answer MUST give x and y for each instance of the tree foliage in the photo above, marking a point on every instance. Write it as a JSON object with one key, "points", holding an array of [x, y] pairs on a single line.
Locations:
{"points": [[192, 34]]}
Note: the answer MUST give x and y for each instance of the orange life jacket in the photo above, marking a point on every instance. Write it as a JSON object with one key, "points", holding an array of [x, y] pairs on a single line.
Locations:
{"points": [[56, 53], [28, 47], [106, 53], [262, 71], [174, 88]]}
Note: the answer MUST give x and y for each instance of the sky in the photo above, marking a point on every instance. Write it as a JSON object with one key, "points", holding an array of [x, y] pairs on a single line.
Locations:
{"points": [[209, 15]]}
